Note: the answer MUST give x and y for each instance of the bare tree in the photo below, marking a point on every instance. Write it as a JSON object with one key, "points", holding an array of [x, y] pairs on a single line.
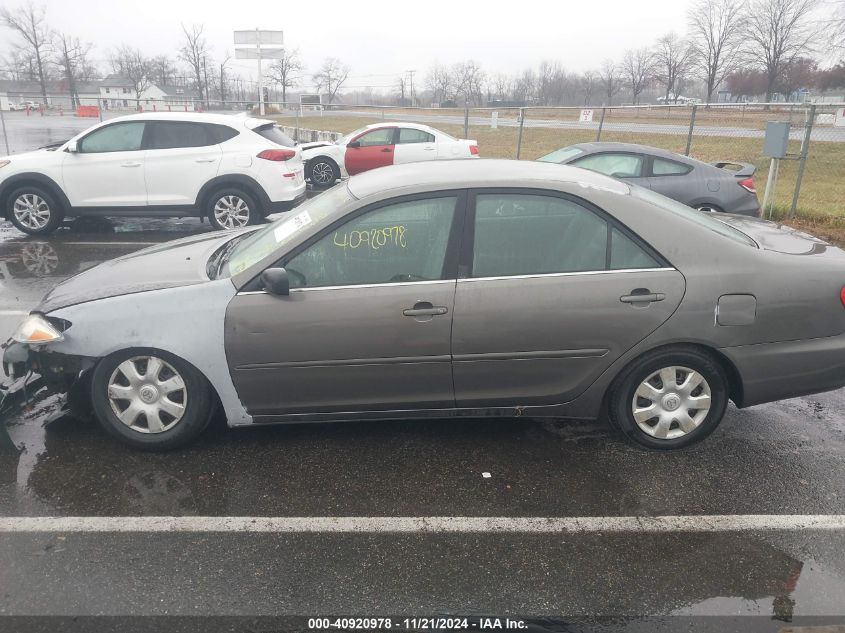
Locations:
{"points": [[551, 83], [194, 53], [637, 67], [469, 81], [130, 63], [19, 64], [609, 76], [501, 84], [587, 82], [779, 32], [331, 76], [222, 84], [525, 86], [30, 23], [439, 81], [285, 71], [672, 58], [716, 32], [71, 58], [162, 70]]}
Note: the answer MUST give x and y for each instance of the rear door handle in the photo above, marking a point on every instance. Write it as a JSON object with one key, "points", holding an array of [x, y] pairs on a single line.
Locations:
{"points": [[424, 308], [130, 164], [429, 149], [387, 149], [206, 160], [642, 297]]}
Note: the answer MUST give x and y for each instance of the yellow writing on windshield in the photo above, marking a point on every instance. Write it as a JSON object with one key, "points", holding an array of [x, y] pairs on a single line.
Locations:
{"points": [[372, 238]]}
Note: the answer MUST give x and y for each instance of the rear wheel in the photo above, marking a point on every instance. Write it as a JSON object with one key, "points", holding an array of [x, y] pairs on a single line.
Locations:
{"points": [[34, 211], [230, 209], [670, 398], [150, 399], [323, 172]]}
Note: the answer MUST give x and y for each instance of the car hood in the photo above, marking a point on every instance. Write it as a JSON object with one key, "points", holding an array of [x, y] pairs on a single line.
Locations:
{"points": [[773, 236], [34, 156], [169, 265], [310, 150]]}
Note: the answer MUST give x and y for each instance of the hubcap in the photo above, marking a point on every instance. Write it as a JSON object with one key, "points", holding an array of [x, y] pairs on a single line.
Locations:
{"points": [[671, 402], [231, 212], [147, 394], [322, 174], [31, 210], [39, 258]]}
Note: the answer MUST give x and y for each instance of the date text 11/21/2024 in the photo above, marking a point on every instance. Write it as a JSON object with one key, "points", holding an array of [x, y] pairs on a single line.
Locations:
{"points": [[416, 624]]}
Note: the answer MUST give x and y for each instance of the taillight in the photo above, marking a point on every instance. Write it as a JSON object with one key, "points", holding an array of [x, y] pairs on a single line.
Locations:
{"points": [[748, 185], [473, 149], [842, 296], [277, 154]]}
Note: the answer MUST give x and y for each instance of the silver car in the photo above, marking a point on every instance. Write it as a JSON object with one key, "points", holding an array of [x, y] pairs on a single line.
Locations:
{"points": [[451, 289], [726, 186]]}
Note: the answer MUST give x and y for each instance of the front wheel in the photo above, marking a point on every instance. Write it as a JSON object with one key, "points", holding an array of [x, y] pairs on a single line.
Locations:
{"points": [[323, 172], [669, 399], [230, 209], [150, 399], [34, 211]]}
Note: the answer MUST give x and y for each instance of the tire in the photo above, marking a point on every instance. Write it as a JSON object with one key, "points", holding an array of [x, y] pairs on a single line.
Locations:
{"points": [[34, 210], [232, 208], [159, 412], [323, 172], [677, 426]]}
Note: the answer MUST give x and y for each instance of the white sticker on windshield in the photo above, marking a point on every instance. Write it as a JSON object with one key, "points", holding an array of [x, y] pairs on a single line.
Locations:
{"points": [[289, 227]]}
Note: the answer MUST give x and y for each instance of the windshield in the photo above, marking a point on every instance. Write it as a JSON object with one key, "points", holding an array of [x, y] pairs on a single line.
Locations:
{"points": [[345, 139], [707, 220], [561, 155], [258, 245]]}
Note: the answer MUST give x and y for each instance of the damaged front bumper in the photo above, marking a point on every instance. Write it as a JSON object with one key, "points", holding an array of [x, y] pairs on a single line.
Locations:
{"points": [[29, 369]]}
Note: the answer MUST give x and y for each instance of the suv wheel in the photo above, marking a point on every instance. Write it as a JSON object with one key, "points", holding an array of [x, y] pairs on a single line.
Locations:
{"points": [[669, 398], [34, 211], [230, 209]]}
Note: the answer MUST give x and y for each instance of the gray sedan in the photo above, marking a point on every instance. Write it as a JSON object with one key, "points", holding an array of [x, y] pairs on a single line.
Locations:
{"points": [[451, 289], [725, 186]]}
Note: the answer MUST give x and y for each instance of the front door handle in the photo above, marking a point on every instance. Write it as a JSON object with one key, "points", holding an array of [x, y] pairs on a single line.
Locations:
{"points": [[130, 164], [642, 295], [424, 308], [387, 149], [206, 160]]}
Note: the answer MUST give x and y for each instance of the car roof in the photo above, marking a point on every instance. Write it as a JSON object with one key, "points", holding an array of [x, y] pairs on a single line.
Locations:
{"points": [[232, 120], [602, 146], [415, 126], [467, 173]]}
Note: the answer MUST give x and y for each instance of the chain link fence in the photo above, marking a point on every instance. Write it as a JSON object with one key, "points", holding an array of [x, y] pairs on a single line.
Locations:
{"points": [[809, 179]]}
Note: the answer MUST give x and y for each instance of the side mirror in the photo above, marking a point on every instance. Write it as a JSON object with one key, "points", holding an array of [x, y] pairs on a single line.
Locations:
{"points": [[353, 144], [276, 282], [72, 147]]}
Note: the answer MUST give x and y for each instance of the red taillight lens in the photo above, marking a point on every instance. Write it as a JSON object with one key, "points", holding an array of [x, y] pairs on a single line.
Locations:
{"points": [[277, 154], [842, 296], [473, 149], [748, 185]]}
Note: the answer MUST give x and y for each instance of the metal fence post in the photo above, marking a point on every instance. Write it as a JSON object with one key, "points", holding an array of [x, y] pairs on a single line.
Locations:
{"points": [[805, 149], [100, 108], [691, 127], [296, 129], [5, 134], [519, 140], [601, 125], [466, 120]]}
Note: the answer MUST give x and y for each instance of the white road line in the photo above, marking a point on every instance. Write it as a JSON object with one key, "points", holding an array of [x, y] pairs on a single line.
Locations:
{"points": [[424, 525]]}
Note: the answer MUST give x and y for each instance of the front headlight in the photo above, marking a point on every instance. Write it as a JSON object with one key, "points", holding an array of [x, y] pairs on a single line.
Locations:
{"points": [[37, 330]]}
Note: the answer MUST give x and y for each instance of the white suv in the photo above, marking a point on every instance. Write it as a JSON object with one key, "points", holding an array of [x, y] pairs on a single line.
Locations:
{"points": [[232, 170]]}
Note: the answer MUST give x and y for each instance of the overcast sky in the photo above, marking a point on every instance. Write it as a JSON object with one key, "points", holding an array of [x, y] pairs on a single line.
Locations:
{"points": [[379, 40]]}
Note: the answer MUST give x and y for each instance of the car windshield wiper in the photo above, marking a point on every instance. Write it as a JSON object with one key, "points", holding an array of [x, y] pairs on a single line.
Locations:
{"points": [[219, 259]]}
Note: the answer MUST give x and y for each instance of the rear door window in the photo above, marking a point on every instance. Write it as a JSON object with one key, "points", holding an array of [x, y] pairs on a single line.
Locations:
{"points": [[410, 135], [177, 134], [664, 167]]}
